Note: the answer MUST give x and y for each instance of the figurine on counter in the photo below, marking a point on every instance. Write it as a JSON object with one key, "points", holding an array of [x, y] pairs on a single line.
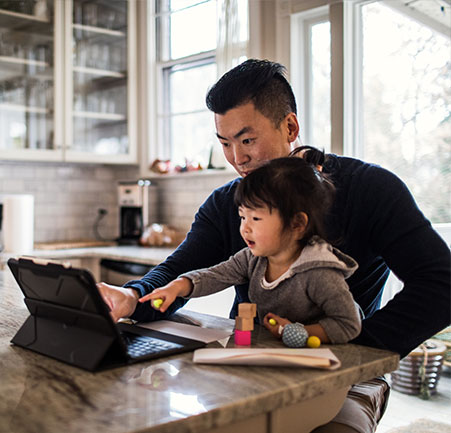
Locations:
{"points": [[294, 275]]}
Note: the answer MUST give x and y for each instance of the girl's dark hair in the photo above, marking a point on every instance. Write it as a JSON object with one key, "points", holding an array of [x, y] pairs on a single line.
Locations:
{"points": [[290, 185], [258, 81], [311, 154]]}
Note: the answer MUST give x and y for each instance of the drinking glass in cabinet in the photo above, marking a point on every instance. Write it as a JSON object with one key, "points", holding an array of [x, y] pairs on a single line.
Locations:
{"points": [[26, 74], [100, 80], [89, 14]]}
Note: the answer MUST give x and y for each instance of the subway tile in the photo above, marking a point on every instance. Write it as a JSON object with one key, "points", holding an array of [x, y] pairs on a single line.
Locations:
{"points": [[14, 186], [67, 172]]}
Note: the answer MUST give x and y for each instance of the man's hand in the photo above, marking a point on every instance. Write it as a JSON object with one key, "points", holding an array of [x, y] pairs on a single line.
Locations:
{"points": [[122, 301]]}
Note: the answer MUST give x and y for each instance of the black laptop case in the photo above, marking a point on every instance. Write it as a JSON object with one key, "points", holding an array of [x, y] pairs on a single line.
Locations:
{"points": [[69, 320]]}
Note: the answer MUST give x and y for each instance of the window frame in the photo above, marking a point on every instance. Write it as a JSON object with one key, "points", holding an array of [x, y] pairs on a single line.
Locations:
{"points": [[159, 93], [346, 66], [301, 68], [164, 70]]}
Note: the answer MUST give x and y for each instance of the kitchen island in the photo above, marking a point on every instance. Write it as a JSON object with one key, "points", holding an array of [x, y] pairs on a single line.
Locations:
{"points": [[38, 394]]}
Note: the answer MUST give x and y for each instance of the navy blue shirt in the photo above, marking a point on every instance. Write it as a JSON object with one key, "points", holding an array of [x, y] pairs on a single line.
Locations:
{"points": [[375, 220]]}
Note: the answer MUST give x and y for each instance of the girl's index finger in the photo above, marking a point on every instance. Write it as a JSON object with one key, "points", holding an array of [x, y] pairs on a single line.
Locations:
{"points": [[145, 298]]}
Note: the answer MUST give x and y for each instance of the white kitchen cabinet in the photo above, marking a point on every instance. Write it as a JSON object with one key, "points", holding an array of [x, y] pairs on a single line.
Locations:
{"points": [[67, 91]]}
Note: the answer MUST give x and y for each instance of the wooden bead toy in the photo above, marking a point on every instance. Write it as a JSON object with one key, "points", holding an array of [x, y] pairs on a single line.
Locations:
{"points": [[313, 342]]}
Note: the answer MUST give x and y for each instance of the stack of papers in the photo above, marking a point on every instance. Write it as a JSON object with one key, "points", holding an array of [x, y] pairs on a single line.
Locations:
{"points": [[312, 358], [197, 333]]}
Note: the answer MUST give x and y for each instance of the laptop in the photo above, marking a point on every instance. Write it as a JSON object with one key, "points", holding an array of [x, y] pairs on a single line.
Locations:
{"points": [[69, 320]]}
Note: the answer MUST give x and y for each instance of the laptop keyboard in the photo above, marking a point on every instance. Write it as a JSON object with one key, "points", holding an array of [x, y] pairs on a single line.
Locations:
{"points": [[141, 345]]}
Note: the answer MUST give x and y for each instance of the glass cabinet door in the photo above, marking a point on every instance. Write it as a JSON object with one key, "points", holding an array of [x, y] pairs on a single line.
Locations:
{"points": [[98, 73], [26, 75]]}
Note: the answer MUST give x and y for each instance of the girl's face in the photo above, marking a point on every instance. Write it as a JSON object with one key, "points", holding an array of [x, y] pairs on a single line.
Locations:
{"points": [[263, 232]]}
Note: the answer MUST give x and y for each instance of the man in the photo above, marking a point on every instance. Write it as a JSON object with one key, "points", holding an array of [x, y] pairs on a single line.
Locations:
{"points": [[374, 219]]}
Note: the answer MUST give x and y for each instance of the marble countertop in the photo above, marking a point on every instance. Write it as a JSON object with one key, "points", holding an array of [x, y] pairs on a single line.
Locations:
{"points": [[134, 253], [38, 394]]}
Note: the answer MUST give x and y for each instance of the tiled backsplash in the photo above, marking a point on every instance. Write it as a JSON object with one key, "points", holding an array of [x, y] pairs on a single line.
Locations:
{"points": [[67, 197], [180, 196]]}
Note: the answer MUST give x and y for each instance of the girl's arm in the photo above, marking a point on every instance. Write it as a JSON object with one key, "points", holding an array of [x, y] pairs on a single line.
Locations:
{"points": [[167, 294], [202, 282], [316, 329], [328, 289], [235, 270]]}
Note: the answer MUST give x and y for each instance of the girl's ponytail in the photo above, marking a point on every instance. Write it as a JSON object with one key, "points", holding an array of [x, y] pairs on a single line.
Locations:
{"points": [[310, 154]]}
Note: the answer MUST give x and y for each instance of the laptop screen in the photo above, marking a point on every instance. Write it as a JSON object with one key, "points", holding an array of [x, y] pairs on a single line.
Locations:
{"points": [[70, 321]]}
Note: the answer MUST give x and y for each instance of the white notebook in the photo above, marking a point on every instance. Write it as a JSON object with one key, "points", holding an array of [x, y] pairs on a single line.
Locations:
{"points": [[311, 358]]}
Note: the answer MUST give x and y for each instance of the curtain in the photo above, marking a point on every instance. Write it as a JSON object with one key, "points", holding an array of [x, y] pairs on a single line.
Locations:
{"points": [[231, 49]]}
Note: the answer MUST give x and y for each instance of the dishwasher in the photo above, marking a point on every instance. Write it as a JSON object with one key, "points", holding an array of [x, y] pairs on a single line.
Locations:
{"points": [[117, 272]]}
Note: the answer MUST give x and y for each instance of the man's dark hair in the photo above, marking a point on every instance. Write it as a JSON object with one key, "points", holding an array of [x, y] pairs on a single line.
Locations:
{"points": [[258, 81], [290, 185]]}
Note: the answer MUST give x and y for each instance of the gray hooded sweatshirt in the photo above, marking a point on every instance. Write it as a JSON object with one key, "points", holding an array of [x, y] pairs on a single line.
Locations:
{"points": [[313, 290]]}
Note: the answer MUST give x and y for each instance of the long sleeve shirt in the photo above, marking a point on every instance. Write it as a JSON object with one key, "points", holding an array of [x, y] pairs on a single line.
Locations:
{"points": [[312, 290], [375, 220]]}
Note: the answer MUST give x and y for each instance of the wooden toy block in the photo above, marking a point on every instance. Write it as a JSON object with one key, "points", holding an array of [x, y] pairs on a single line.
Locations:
{"points": [[244, 323], [246, 309], [242, 338]]}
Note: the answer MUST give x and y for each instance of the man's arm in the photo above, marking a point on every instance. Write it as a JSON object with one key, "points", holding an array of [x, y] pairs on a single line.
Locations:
{"points": [[401, 235], [208, 242]]}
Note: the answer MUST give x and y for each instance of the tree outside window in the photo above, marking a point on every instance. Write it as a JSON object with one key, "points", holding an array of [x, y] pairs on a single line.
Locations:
{"points": [[407, 105]]}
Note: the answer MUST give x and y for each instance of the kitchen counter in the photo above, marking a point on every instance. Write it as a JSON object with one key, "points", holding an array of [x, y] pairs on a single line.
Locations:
{"points": [[90, 257], [135, 253], [38, 394]]}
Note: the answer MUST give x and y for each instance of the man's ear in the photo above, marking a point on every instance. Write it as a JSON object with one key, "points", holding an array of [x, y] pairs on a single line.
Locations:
{"points": [[292, 125], [299, 224]]}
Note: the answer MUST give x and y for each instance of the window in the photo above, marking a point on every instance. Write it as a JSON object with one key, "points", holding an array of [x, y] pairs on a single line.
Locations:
{"points": [[320, 98], [186, 44], [311, 76], [186, 35], [406, 84], [396, 83]]}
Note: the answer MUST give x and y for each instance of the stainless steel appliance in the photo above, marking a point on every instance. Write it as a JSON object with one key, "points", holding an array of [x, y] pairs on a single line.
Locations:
{"points": [[134, 209], [118, 272]]}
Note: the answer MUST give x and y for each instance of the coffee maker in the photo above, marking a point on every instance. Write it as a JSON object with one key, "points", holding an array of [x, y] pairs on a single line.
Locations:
{"points": [[134, 208]]}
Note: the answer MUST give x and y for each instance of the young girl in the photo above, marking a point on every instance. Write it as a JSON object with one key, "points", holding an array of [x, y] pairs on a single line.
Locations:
{"points": [[294, 275]]}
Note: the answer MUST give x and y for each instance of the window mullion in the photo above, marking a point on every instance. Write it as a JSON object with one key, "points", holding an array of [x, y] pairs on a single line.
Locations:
{"points": [[336, 13]]}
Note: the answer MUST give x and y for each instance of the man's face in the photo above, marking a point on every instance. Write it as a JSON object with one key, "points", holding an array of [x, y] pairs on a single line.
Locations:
{"points": [[249, 139]]}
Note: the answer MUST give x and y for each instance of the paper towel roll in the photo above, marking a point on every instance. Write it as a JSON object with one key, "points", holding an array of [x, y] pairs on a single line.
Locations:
{"points": [[18, 223]]}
